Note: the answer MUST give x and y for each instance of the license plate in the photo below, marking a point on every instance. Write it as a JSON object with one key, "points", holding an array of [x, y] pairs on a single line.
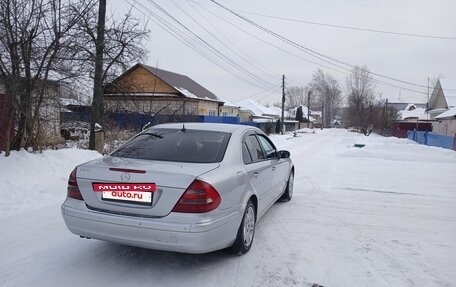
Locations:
{"points": [[123, 192]]}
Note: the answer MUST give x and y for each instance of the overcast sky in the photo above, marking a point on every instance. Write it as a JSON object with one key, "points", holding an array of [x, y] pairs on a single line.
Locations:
{"points": [[236, 60]]}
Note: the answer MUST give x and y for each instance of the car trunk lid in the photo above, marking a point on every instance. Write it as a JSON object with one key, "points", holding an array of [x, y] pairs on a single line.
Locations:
{"points": [[136, 187]]}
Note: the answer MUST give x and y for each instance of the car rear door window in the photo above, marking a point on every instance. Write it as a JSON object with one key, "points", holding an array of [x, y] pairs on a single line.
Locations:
{"points": [[254, 149], [196, 146], [246, 157], [268, 148]]}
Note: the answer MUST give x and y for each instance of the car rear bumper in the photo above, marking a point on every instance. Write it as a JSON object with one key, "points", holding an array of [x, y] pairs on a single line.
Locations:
{"points": [[196, 235]]}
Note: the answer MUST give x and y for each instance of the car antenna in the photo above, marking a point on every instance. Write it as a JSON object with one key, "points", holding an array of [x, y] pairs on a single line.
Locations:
{"points": [[183, 128]]}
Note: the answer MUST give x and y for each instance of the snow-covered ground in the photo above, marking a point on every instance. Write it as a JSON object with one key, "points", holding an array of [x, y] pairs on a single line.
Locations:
{"points": [[382, 215]]}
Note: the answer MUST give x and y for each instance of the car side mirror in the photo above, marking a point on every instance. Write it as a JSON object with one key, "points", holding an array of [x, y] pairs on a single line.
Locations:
{"points": [[284, 154]]}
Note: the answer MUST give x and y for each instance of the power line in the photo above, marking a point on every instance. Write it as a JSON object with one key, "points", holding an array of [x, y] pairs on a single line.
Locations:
{"points": [[268, 93], [345, 72], [174, 31], [211, 47], [200, 46], [350, 27], [249, 61], [318, 55], [233, 44], [271, 44], [444, 37]]}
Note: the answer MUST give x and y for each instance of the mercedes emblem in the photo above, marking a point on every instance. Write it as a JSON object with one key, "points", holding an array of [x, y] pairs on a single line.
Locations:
{"points": [[125, 176]]}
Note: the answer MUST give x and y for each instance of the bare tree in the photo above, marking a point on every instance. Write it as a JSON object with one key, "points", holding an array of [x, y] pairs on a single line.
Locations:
{"points": [[33, 38], [363, 107], [386, 117], [122, 46], [328, 95], [295, 96], [45, 42]]}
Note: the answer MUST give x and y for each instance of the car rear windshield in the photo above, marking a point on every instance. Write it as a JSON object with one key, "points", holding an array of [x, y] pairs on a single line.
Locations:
{"points": [[179, 145]]}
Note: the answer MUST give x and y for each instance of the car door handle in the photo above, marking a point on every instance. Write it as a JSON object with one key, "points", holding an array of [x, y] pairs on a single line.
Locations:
{"points": [[273, 168], [256, 174], [240, 177]]}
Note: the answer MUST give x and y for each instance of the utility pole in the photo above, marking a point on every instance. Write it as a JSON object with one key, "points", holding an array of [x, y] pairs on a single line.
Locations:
{"points": [[323, 115], [97, 141], [386, 117], [309, 93], [282, 126], [427, 102]]}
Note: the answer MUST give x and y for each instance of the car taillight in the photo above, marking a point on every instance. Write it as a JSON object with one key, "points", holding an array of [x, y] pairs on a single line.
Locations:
{"points": [[73, 188], [199, 197]]}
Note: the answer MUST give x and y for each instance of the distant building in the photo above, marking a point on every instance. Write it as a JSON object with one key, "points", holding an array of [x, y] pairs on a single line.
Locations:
{"points": [[413, 112], [304, 109], [410, 117], [308, 120], [442, 107], [229, 109], [47, 124], [266, 118], [403, 106], [257, 110]]}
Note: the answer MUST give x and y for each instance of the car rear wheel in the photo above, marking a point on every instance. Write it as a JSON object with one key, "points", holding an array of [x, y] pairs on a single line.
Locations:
{"points": [[288, 194], [246, 231]]}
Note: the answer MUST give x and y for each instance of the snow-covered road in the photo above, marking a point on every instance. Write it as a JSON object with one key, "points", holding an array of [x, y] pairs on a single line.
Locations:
{"points": [[382, 215]]}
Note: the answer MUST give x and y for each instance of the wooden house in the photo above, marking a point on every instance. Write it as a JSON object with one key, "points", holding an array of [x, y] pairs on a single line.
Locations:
{"points": [[149, 90]]}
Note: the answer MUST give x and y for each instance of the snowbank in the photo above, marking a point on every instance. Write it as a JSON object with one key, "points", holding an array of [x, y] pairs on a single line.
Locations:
{"points": [[31, 181], [381, 215]]}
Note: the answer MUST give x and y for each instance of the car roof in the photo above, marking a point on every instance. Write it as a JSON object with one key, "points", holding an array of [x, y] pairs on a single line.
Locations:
{"points": [[218, 127]]}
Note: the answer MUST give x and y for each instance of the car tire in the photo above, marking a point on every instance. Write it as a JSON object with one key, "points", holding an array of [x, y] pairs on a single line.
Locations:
{"points": [[246, 231], [288, 194]]}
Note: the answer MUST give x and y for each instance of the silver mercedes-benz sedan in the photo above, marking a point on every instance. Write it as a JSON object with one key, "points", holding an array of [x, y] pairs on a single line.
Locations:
{"points": [[188, 187]]}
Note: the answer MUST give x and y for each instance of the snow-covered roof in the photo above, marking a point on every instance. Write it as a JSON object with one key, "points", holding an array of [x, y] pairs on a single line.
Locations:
{"points": [[293, 112], [278, 111], [304, 111], [448, 114], [304, 108], [227, 103], [186, 93], [413, 112], [258, 109], [252, 106], [264, 120], [182, 83]]}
